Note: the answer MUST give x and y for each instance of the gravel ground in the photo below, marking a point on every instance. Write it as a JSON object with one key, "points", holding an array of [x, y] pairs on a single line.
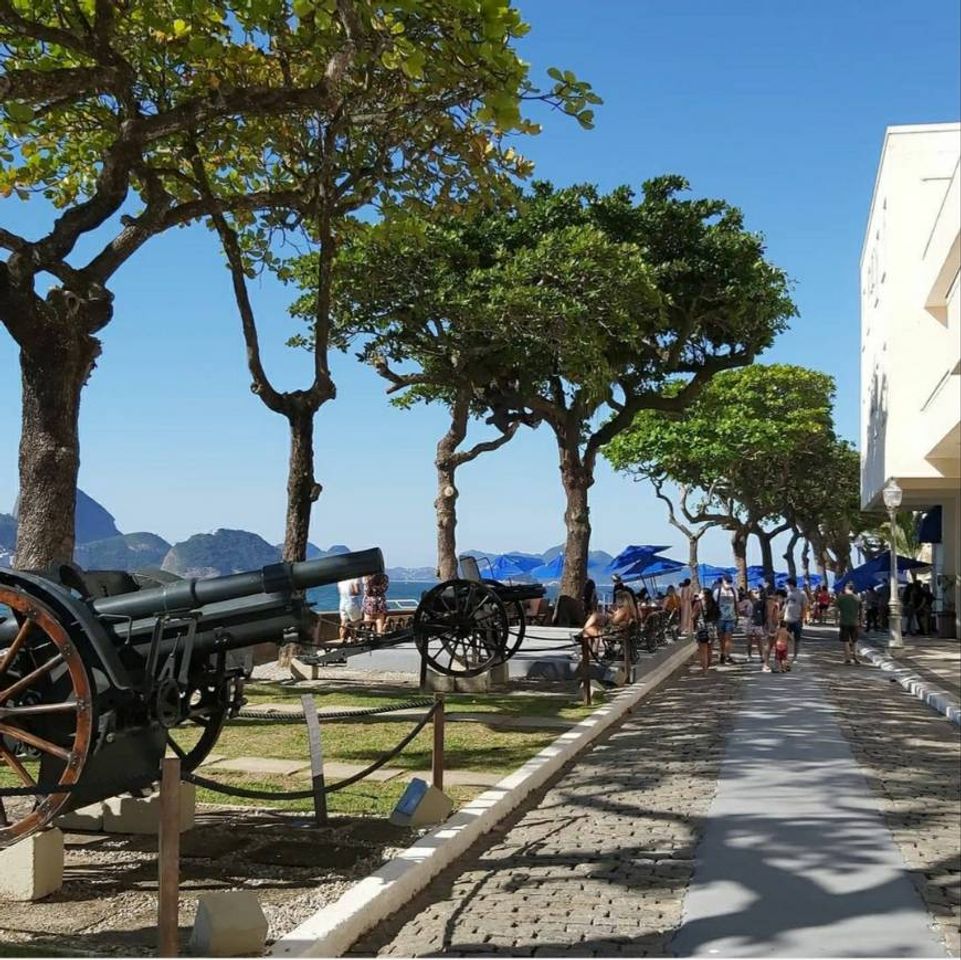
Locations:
{"points": [[598, 863], [108, 903]]}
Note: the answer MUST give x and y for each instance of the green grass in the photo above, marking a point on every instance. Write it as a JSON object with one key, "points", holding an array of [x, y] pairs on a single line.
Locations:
{"points": [[467, 745], [554, 706]]}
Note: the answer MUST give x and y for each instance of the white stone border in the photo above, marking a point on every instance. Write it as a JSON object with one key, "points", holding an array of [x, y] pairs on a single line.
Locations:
{"points": [[934, 696], [335, 927]]}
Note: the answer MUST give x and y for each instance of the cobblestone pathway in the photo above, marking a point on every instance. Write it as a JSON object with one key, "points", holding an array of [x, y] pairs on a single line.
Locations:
{"points": [[912, 759], [599, 864]]}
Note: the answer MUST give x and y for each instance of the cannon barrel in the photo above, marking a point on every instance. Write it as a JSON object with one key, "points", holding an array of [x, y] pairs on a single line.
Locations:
{"points": [[275, 578]]}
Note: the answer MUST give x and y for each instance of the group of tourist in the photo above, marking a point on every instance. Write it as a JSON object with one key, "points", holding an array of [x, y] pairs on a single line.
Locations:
{"points": [[770, 619], [363, 600]]}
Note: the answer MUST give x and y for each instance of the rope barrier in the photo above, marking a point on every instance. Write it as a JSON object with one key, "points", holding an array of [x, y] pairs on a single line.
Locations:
{"points": [[289, 716], [309, 794], [207, 784]]}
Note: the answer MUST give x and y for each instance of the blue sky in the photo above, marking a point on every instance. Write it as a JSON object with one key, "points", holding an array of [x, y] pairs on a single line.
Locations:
{"points": [[779, 108]]}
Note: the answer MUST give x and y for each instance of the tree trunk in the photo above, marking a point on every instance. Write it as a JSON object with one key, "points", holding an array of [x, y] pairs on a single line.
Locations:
{"points": [[446, 508], [302, 488], [692, 562], [789, 557], [739, 546], [52, 375], [767, 554], [577, 481], [806, 560]]}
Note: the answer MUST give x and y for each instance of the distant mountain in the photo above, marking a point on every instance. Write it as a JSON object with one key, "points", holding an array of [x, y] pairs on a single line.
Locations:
{"points": [[92, 522], [128, 551], [219, 553], [314, 552], [8, 532]]}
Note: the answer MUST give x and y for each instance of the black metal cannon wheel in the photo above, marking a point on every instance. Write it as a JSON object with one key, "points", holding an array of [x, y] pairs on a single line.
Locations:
{"points": [[461, 628], [46, 708]]}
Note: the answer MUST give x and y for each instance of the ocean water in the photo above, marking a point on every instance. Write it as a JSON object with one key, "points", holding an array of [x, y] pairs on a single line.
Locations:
{"points": [[326, 598]]}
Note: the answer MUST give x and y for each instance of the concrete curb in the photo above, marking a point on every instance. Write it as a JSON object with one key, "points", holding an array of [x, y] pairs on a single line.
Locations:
{"points": [[934, 696], [334, 928]]}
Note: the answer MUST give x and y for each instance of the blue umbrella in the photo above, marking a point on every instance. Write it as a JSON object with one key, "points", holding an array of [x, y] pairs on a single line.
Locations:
{"points": [[549, 571], [655, 567], [876, 571], [634, 554], [504, 568], [707, 573], [523, 560]]}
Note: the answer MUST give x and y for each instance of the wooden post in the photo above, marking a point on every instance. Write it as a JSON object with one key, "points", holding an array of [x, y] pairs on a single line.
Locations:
{"points": [[586, 669], [316, 759], [437, 759], [168, 859], [423, 673]]}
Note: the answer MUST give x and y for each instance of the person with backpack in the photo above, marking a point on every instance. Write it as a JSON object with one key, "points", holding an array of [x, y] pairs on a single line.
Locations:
{"points": [[725, 596]]}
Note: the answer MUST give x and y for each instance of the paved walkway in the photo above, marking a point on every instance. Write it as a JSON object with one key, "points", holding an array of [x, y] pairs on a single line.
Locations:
{"points": [[932, 658], [789, 788], [795, 858]]}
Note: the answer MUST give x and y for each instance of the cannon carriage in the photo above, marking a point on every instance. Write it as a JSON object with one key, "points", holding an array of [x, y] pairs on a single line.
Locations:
{"points": [[98, 669]]}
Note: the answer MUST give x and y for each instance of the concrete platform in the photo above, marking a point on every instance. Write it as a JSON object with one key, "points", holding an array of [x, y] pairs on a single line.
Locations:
{"points": [[268, 766]]}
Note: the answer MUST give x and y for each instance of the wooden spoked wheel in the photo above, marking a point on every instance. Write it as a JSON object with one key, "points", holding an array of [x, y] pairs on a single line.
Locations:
{"points": [[461, 628], [45, 710]]}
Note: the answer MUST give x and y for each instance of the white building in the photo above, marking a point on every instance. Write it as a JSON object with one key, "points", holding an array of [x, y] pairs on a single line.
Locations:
{"points": [[911, 335]]}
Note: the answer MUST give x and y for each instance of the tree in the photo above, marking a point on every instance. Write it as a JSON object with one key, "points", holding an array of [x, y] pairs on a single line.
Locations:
{"points": [[425, 100], [616, 306], [744, 442], [98, 100], [216, 107], [406, 289], [825, 504]]}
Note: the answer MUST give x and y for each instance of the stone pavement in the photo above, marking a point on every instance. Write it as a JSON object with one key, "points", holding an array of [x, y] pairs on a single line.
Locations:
{"points": [[599, 864], [796, 860], [932, 658]]}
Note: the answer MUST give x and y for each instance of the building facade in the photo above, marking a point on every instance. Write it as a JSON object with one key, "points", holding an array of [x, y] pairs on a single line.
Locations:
{"points": [[911, 337]]}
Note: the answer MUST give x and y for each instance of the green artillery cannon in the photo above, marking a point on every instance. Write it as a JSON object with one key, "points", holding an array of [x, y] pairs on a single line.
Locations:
{"points": [[97, 669]]}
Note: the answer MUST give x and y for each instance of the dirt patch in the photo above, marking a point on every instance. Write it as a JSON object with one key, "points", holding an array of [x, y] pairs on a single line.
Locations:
{"points": [[108, 904]]}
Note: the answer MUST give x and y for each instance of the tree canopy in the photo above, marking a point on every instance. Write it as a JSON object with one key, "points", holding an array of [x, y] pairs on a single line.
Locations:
{"points": [[131, 117]]}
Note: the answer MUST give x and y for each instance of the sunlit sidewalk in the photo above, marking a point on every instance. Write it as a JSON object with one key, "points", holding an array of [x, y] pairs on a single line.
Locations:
{"points": [[795, 859]]}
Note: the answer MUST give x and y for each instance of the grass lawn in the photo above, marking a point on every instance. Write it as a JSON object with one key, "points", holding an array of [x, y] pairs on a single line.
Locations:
{"points": [[468, 745]]}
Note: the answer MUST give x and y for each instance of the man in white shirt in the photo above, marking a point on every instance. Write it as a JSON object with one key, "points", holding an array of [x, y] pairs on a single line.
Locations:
{"points": [[351, 605], [793, 614], [725, 596]]}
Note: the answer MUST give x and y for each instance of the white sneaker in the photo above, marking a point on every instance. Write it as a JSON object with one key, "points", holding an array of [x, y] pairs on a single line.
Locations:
{"points": [[765, 669]]}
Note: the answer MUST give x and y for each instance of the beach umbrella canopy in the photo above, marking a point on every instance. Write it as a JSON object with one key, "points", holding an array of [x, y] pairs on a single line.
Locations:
{"points": [[504, 568], [549, 571], [877, 571], [522, 560], [635, 553], [707, 573], [655, 567]]}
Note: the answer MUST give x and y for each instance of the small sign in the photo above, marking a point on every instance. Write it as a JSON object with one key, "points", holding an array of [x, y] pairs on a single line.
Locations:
{"points": [[411, 797]]}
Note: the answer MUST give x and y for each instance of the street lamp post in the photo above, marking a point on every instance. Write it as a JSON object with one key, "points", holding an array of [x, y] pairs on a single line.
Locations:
{"points": [[892, 500]]}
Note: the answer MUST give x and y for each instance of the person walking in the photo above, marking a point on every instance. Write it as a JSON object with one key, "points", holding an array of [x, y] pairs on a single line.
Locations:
{"points": [[375, 601], [725, 596], [351, 605], [795, 606], [872, 610], [849, 618], [686, 597]]}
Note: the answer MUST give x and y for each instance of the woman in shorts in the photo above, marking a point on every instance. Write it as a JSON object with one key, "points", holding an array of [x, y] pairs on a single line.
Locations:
{"points": [[375, 600]]}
